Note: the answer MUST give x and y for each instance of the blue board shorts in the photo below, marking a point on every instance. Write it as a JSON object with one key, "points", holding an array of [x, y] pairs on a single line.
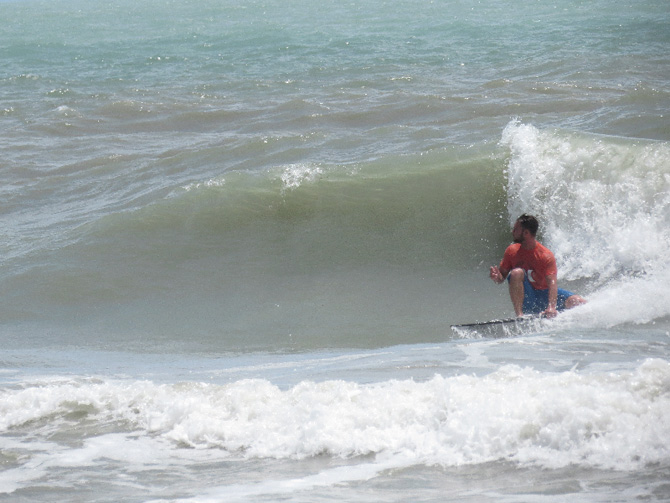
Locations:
{"points": [[536, 301]]}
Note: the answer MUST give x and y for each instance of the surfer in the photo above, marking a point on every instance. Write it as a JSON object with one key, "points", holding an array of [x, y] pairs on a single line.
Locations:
{"points": [[530, 269]]}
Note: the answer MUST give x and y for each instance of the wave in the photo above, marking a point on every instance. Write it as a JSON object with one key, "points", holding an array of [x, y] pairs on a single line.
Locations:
{"points": [[524, 416], [596, 197], [330, 251], [394, 206]]}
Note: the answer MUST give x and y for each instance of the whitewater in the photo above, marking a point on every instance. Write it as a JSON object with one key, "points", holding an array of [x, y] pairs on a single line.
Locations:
{"points": [[235, 236]]}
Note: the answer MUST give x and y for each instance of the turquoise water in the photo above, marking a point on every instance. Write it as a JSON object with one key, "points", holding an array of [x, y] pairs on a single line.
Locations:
{"points": [[235, 236]]}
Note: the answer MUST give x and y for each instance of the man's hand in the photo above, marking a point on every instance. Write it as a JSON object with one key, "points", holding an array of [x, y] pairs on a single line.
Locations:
{"points": [[550, 312], [496, 275]]}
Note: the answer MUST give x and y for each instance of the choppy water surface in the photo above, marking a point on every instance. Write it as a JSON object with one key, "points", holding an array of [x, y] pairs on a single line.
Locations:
{"points": [[235, 236]]}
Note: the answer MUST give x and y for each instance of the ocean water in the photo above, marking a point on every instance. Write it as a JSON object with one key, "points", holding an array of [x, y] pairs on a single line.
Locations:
{"points": [[235, 236]]}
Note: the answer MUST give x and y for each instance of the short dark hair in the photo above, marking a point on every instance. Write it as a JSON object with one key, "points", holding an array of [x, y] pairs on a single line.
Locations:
{"points": [[529, 222]]}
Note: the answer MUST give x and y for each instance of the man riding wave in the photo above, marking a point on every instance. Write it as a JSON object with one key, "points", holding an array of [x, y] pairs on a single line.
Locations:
{"points": [[530, 268]]}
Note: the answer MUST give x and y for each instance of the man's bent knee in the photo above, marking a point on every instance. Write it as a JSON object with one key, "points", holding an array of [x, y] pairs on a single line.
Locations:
{"points": [[517, 275]]}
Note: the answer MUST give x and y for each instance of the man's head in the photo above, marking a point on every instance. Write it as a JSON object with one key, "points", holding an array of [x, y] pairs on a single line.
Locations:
{"points": [[524, 223]]}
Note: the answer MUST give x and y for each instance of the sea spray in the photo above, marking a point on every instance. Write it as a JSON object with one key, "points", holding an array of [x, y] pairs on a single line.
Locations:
{"points": [[604, 206], [603, 202]]}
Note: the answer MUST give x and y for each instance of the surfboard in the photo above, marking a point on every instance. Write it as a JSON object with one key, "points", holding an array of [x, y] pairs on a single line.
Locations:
{"points": [[501, 328]]}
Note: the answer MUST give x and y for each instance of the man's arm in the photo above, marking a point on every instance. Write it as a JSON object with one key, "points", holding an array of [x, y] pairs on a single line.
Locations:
{"points": [[551, 312]]}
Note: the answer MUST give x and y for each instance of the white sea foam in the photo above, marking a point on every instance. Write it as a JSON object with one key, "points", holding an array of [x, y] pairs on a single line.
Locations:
{"points": [[611, 420], [295, 175], [635, 300], [603, 205], [597, 198], [214, 182]]}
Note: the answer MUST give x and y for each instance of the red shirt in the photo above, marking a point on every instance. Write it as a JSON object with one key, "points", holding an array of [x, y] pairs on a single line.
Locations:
{"points": [[538, 262]]}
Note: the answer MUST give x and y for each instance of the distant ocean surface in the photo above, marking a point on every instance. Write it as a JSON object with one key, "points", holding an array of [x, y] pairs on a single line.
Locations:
{"points": [[234, 236]]}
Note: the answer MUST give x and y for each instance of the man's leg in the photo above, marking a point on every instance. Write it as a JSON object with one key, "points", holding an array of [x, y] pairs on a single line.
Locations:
{"points": [[516, 277], [574, 300]]}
